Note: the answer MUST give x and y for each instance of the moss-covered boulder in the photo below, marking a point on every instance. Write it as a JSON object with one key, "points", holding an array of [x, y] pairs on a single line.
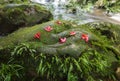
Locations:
{"points": [[61, 50], [97, 36], [12, 1], [14, 16]]}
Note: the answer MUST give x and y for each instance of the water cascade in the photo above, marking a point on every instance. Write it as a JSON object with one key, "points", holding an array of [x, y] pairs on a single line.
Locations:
{"points": [[59, 11]]}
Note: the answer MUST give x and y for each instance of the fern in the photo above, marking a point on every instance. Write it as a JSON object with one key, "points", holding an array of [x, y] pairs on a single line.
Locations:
{"points": [[75, 68], [21, 49], [8, 71]]}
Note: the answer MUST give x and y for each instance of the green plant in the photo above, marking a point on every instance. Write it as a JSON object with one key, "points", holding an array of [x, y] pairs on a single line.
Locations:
{"points": [[8, 72], [89, 66], [22, 50], [23, 55]]}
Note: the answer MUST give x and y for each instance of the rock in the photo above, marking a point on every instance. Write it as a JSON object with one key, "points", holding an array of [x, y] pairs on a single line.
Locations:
{"points": [[86, 47], [106, 4], [72, 10], [12, 1], [14, 16], [100, 4], [101, 37], [118, 73]]}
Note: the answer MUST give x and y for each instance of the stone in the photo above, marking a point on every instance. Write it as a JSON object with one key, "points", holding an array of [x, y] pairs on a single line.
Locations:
{"points": [[15, 16], [103, 40], [101, 36], [118, 73]]}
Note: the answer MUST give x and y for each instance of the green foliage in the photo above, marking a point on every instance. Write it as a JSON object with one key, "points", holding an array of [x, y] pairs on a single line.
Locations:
{"points": [[22, 49], [24, 55], [89, 66], [10, 71], [47, 59], [13, 1], [109, 5], [112, 6]]}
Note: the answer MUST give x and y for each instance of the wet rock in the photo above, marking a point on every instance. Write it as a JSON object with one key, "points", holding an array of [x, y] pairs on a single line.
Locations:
{"points": [[118, 73], [72, 10], [14, 16]]}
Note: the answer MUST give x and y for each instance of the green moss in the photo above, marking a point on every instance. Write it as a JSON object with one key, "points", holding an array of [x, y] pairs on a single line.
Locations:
{"points": [[50, 40], [14, 16]]}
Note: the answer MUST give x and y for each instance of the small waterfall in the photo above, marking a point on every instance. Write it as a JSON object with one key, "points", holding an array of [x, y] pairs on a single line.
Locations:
{"points": [[57, 7], [59, 11], [116, 17], [36, 1], [55, 2], [41, 1]]}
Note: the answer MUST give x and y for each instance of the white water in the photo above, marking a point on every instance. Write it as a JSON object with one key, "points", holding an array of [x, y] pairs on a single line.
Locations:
{"points": [[36, 1], [55, 2], [59, 11], [116, 17]]}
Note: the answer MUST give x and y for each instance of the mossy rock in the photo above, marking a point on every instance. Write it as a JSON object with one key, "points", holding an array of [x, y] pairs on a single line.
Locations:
{"points": [[12, 1], [14, 16], [95, 56], [99, 39], [111, 31], [49, 41]]}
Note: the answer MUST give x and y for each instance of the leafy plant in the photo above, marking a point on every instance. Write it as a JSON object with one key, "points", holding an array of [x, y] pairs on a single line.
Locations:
{"points": [[89, 66], [8, 72], [23, 49]]}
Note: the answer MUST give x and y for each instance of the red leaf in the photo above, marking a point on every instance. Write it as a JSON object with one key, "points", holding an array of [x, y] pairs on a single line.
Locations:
{"points": [[37, 35], [58, 22], [72, 33], [62, 40], [48, 28], [85, 37]]}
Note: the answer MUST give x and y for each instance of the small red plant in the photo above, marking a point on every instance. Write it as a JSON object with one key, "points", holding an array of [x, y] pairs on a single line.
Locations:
{"points": [[37, 35], [58, 22], [72, 33], [48, 28], [85, 37], [62, 40]]}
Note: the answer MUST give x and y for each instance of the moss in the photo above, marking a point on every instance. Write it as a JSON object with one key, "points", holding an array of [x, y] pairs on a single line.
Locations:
{"points": [[14, 16], [50, 40]]}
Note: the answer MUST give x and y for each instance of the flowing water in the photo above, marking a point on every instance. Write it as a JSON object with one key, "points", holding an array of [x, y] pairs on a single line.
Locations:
{"points": [[59, 11]]}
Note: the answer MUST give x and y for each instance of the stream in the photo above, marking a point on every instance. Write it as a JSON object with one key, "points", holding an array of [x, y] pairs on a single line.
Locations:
{"points": [[59, 11]]}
